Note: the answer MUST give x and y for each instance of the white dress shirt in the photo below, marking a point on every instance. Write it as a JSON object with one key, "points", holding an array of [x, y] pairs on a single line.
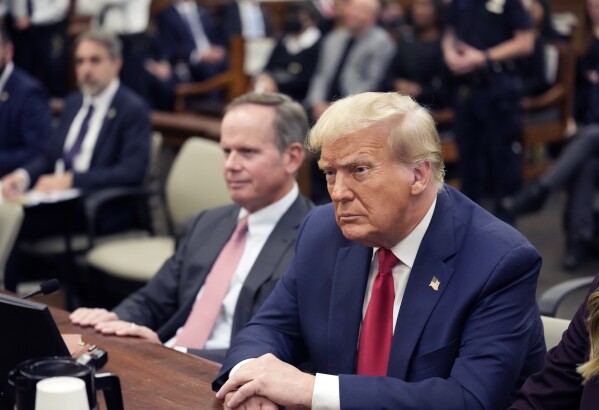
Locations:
{"points": [[43, 11], [326, 386], [252, 20], [260, 225], [120, 16]]}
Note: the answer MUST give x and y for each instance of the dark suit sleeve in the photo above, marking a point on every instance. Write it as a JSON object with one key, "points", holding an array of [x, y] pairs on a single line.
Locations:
{"points": [[558, 385], [155, 303], [34, 129], [132, 138], [44, 162], [493, 348]]}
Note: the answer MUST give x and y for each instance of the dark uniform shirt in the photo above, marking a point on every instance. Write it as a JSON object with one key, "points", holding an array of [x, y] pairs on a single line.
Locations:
{"points": [[421, 62], [486, 23]]}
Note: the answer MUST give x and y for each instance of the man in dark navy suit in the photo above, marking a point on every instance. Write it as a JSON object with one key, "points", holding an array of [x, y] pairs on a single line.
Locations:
{"points": [[102, 140], [262, 137], [403, 293], [245, 18], [191, 48], [25, 119]]}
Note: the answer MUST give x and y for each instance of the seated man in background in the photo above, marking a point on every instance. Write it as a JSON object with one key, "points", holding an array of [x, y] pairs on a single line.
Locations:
{"points": [[102, 140], [352, 59], [449, 321], [232, 256], [25, 118], [129, 19], [193, 49]]}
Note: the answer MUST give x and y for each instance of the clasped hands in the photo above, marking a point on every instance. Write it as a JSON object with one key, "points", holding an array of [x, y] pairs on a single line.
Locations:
{"points": [[464, 59], [267, 383], [108, 323]]}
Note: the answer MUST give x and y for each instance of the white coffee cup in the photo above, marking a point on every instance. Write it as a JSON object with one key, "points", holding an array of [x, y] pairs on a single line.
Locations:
{"points": [[61, 393]]}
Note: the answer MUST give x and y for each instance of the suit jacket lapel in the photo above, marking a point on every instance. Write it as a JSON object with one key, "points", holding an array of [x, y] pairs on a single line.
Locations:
{"points": [[420, 299], [66, 121], [108, 122], [345, 312], [280, 238]]}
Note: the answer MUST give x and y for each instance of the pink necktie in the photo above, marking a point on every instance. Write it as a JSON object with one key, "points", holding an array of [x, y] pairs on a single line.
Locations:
{"points": [[203, 316], [377, 326]]}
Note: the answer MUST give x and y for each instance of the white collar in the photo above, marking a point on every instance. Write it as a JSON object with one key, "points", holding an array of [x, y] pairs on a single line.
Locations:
{"points": [[269, 215], [105, 97], [407, 249], [297, 44]]}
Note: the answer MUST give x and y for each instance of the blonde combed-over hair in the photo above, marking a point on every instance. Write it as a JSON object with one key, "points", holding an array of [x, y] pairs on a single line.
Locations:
{"points": [[590, 369], [413, 136]]}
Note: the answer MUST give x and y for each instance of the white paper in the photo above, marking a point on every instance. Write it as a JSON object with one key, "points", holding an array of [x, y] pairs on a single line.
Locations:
{"points": [[33, 198]]}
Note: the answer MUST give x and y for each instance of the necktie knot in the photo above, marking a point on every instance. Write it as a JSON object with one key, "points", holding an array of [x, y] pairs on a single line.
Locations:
{"points": [[387, 260]]}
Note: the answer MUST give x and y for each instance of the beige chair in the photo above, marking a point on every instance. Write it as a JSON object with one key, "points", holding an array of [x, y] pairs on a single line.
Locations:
{"points": [[554, 328], [80, 243], [195, 183], [11, 216]]}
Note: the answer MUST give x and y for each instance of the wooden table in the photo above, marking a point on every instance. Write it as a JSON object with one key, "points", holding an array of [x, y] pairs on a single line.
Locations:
{"points": [[152, 376]]}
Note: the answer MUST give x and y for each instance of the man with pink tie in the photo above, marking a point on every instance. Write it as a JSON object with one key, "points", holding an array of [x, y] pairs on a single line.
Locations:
{"points": [[231, 257]]}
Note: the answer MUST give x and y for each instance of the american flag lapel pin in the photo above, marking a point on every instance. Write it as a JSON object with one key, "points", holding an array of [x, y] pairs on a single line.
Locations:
{"points": [[434, 284]]}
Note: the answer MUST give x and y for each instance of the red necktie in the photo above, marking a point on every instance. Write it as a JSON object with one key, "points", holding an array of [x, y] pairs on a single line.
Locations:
{"points": [[203, 316], [377, 326]]}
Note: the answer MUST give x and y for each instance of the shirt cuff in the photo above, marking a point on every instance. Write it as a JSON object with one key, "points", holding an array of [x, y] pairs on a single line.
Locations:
{"points": [[25, 175], [238, 365], [326, 392]]}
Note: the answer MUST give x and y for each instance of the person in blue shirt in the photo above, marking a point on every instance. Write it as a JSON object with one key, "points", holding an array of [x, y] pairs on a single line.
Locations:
{"points": [[481, 42]]}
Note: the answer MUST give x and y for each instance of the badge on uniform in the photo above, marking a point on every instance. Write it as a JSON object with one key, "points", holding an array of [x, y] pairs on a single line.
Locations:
{"points": [[495, 6], [4, 96], [111, 113], [435, 283]]}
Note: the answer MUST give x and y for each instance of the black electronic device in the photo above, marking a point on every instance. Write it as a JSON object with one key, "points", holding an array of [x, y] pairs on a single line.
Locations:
{"points": [[28, 332]]}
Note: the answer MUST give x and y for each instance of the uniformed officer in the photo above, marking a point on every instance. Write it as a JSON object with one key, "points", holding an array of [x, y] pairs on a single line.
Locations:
{"points": [[480, 44], [40, 38]]}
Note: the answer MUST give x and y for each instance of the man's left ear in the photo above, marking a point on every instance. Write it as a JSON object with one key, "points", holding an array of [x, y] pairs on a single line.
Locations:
{"points": [[422, 176], [294, 157]]}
